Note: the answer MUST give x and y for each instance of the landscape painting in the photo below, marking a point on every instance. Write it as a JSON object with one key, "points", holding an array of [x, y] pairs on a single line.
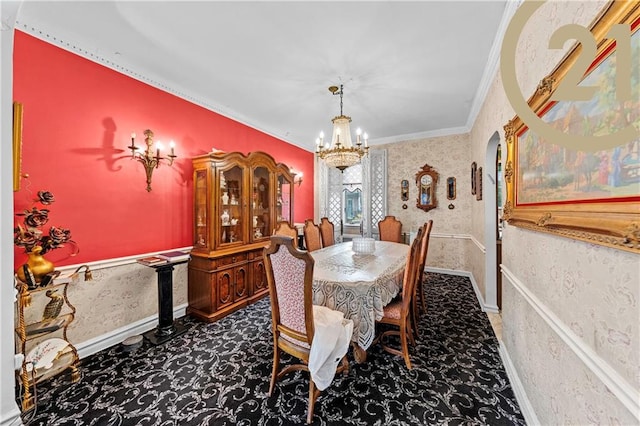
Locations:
{"points": [[551, 173]]}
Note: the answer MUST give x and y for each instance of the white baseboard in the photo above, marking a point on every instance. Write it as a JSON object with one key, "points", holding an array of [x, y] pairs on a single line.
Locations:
{"points": [[116, 336], [615, 383], [521, 396], [476, 289]]}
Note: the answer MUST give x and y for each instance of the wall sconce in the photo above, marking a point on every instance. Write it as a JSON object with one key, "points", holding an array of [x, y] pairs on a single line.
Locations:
{"points": [[147, 158], [297, 178]]}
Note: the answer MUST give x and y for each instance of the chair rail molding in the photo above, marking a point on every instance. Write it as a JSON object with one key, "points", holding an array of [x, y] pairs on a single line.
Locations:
{"points": [[616, 384], [117, 261]]}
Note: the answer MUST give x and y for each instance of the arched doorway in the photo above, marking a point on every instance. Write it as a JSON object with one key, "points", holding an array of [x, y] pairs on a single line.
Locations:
{"points": [[490, 181]]}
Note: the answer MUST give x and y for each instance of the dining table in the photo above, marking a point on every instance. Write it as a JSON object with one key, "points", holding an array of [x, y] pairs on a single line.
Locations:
{"points": [[359, 285]]}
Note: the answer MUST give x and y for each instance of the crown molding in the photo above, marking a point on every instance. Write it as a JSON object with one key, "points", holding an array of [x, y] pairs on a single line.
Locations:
{"points": [[420, 135], [491, 67], [94, 55]]}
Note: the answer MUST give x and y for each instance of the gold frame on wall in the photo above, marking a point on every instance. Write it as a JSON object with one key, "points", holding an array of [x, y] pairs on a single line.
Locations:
{"points": [[612, 219], [17, 145]]}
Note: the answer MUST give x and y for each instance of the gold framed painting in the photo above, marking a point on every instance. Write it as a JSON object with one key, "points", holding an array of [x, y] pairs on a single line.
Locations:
{"points": [[589, 192], [17, 145]]}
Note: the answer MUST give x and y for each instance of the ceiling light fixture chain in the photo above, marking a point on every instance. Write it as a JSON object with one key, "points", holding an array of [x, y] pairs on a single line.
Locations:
{"points": [[337, 91], [342, 153]]}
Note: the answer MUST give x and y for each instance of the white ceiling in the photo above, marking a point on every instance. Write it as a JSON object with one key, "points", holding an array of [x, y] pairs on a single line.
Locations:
{"points": [[409, 69]]}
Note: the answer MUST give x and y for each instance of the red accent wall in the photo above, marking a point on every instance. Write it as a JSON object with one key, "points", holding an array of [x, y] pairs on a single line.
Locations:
{"points": [[78, 117]]}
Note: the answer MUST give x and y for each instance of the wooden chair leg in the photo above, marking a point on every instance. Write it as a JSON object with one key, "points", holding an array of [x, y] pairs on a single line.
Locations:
{"points": [[312, 400], [410, 331], [423, 302], [405, 348], [415, 315], [274, 370], [344, 366]]}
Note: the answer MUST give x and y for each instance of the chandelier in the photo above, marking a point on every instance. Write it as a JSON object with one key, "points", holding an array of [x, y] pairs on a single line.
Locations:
{"points": [[341, 153]]}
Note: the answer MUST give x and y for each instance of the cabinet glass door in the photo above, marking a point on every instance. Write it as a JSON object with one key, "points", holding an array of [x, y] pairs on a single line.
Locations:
{"points": [[283, 199], [230, 206], [201, 234], [261, 204]]}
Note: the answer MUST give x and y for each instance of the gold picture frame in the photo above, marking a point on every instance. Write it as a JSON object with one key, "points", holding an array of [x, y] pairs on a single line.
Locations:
{"points": [[17, 145], [479, 184], [582, 193]]}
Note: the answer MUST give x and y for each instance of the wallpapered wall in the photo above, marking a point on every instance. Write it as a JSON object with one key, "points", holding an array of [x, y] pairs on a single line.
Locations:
{"points": [[116, 298], [449, 156], [585, 295]]}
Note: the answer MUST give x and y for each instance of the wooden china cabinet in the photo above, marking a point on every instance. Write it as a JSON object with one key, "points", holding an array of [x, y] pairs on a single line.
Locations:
{"points": [[238, 200]]}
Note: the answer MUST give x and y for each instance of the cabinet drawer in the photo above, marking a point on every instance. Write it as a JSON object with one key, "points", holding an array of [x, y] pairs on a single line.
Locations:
{"points": [[256, 254], [230, 260]]}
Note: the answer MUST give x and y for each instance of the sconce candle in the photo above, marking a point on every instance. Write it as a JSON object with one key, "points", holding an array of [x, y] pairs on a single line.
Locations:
{"points": [[146, 157]]}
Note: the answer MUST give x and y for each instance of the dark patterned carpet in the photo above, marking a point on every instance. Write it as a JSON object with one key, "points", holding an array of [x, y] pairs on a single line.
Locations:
{"points": [[218, 374]]}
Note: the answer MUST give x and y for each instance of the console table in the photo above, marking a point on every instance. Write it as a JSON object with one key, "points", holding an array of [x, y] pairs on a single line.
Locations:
{"points": [[167, 328]]}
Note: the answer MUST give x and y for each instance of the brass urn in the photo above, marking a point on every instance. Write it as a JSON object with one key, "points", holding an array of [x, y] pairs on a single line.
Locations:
{"points": [[38, 265]]}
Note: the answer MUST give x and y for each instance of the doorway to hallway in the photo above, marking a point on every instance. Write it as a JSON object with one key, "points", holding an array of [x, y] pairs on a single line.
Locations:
{"points": [[492, 181]]}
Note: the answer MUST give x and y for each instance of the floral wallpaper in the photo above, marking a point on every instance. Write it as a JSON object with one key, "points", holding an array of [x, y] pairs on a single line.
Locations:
{"points": [[592, 290], [449, 156], [597, 295], [475, 263], [115, 298], [560, 387]]}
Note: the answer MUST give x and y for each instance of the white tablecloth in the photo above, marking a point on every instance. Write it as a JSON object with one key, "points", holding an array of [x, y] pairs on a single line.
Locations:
{"points": [[359, 285]]}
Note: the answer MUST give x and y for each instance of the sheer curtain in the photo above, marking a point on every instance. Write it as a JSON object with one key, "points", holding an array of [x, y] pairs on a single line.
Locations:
{"points": [[337, 195]]}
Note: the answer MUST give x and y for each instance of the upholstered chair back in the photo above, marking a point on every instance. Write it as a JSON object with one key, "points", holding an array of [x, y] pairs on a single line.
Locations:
{"points": [[290, 275]]}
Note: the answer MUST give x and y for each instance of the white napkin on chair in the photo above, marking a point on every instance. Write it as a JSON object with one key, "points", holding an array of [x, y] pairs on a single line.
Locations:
{"points": [[330, 343]]}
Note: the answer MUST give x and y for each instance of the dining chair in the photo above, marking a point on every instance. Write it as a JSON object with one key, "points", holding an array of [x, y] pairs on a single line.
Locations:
{"points": [[290, 279], [327, 232], [424, 248], [390, 229], [284, 228], [418, 304], [312, 237], [398, 312]]}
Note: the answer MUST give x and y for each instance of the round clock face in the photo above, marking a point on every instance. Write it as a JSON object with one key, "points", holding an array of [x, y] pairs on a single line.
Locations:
{"points": [[425, 179], [261, 188]]}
